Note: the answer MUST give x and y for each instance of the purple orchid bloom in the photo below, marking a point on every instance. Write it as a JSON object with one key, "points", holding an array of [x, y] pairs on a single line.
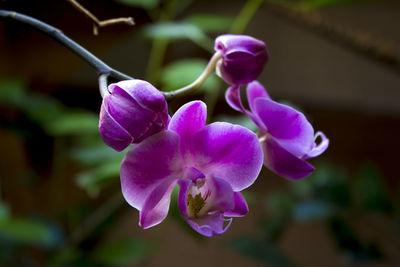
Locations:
{"points": [[286, 136], [133, 111], [210, 163], [243, 58]]}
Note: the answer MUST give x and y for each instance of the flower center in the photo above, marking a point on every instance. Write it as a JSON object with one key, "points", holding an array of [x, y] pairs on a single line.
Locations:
{"points": [[195, 204]]}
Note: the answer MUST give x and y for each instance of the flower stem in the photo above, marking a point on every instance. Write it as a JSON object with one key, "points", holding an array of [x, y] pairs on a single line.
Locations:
{"points": [[103, 85], [198, 82], [102, 68]]}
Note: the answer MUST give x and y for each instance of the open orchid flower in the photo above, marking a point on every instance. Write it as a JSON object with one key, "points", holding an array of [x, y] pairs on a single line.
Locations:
{"points": [[286, 136], [210, 163], [243, 58], [132, 112]]}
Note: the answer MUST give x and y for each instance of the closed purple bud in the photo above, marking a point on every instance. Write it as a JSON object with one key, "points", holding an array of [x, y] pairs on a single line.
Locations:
{"points": [[133, 111], [243, 58]]}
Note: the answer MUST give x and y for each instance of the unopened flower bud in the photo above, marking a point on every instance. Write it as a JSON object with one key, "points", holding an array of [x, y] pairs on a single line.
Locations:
{"points": [[133, 111], [243, 58]]}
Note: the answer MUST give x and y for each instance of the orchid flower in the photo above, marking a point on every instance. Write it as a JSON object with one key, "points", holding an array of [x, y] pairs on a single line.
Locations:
{"points": [[243, 58], [210, 163], [286, 136], [133, 111]]}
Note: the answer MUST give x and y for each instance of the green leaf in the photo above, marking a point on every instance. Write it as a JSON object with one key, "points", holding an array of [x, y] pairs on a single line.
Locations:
{"points": [[28, 231], [95, 154], [369, 190], [262, 251], [184, 72], [211, 22], [95, 179], [4, 211], [147, 4], [122, 253], [175, 31], [74, 123], [42, 109], [12, 91]]}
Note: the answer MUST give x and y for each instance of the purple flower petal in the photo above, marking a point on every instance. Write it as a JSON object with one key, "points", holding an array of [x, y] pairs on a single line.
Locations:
{"points": [[243, 58], [186, 121], [216, 197], [113, 134], [255, 90], [214, 224], [148, 165], [220, 197], [156, 206], [184, 186], [289, 127], [282, 162], [232, 96], [240, 208], [317, 150], [135, 114], [230, 152]]}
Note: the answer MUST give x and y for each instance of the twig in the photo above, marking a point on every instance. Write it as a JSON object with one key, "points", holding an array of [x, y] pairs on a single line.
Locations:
{"points": [[102, 68], [96, 63], [100, 23]]}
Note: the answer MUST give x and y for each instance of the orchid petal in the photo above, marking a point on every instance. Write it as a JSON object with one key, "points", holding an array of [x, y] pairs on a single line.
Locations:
{"points": [[138, 107], [156, 206], [282, 162], [230, 152], [184, 186], [288, 126], [190, 118], [148, 165], [112, 133], [255, 90], [210, 225], [220, 195], [320, 148], [232, 96], [240, 208]]}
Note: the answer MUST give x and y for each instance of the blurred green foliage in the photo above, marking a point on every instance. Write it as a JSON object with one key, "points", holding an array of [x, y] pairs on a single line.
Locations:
{"points": [[100, 168], [140, 3], [331, 195]]}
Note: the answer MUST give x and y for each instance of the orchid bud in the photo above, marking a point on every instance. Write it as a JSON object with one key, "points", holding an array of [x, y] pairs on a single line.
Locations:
{"points": [[133, 111], [243, 58]]}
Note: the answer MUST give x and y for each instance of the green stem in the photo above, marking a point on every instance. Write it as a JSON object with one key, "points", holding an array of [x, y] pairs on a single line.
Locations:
{"points": [[245, 15], [198, 82]]}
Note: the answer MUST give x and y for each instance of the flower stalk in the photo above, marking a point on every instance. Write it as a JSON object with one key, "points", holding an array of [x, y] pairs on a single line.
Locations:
{"points": [[198, 82]]}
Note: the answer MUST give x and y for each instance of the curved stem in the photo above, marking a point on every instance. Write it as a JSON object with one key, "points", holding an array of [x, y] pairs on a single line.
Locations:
{"points": [[57, 35], [103, 85], [198, 82]]}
